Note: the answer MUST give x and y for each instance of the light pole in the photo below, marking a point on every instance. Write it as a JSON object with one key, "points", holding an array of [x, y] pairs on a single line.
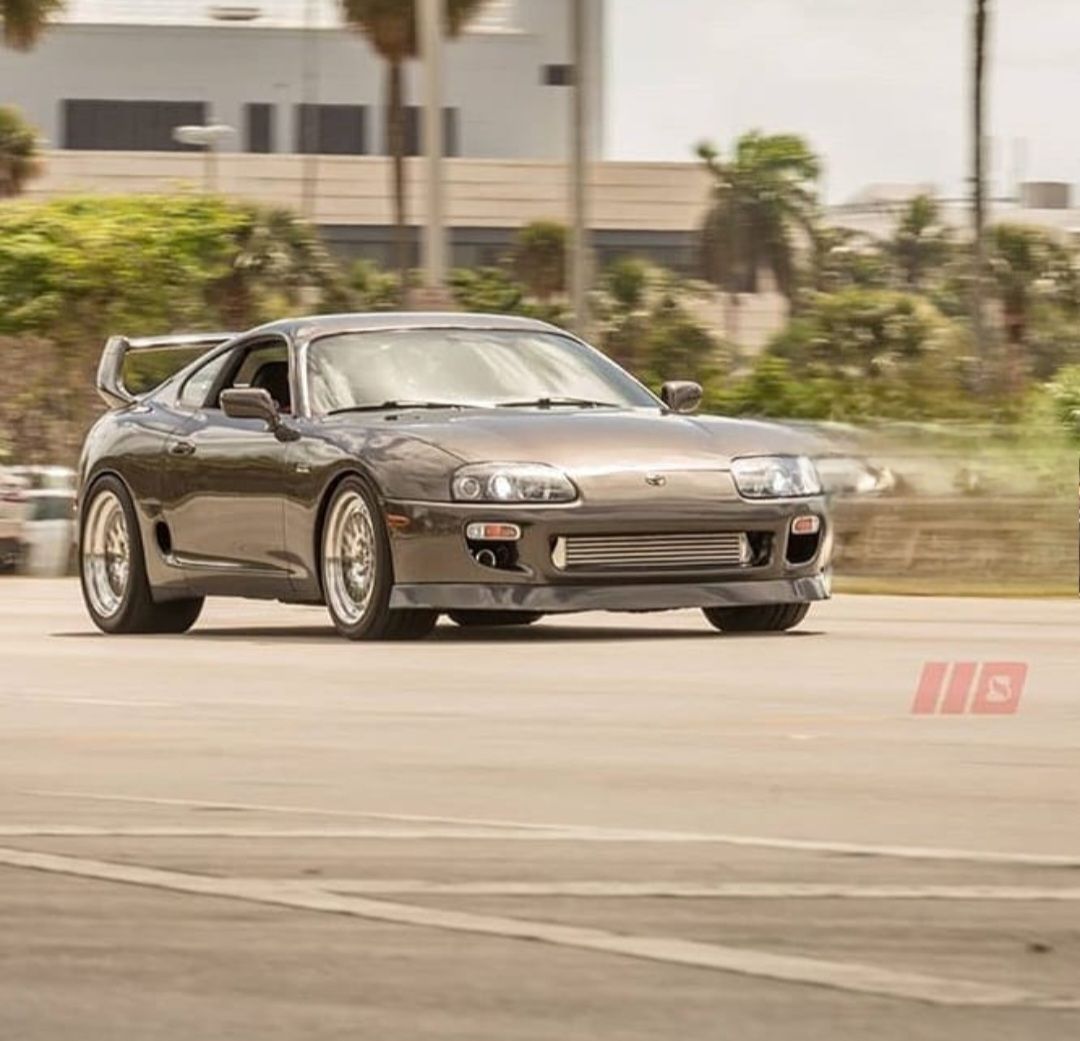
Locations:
{"points": [[432, 34], [206, 137], [579, 158], [980, 28], [309, 175]]}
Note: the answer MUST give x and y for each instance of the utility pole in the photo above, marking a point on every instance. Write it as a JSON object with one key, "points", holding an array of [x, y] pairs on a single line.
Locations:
{"points": [[432, 35], [309, 172], [579, 159], [978, 293]]}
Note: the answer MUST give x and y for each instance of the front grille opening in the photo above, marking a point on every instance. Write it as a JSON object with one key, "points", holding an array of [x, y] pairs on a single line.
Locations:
{"points": [[499, 556], [801, 549], [655, 552], [761, 543]]}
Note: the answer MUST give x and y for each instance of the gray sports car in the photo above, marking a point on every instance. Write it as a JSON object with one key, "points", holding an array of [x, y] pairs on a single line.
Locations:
{"points": [[396, 467]]}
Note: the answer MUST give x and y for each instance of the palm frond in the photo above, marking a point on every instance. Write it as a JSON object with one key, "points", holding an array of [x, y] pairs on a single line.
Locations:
{"points": [[391, 25], [25, 20]]}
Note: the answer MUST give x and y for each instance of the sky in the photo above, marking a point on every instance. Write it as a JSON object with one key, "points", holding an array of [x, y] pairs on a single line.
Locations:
{"points": [[879, 87]]}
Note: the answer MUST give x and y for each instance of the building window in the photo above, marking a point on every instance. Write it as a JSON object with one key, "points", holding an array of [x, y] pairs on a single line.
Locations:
{"points": [[128, 126], [331, 129], [414, 132], [558, 75], [259, 127]]}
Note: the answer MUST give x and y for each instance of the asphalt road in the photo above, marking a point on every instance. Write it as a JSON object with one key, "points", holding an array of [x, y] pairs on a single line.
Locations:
{"points": [[602, 828]]}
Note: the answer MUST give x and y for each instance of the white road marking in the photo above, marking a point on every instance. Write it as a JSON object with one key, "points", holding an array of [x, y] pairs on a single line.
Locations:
{"points": [[78, 831], [845, 976], [110, 702], [254, 807], [587, 833], [732, 891]]}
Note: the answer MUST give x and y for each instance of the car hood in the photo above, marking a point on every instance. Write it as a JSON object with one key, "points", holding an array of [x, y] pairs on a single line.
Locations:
{"points": [[586, 440]]}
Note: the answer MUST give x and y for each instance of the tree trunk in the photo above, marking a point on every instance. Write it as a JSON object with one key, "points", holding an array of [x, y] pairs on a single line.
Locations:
{"points": [[395, 131], [1015, 322], [978, 303]]}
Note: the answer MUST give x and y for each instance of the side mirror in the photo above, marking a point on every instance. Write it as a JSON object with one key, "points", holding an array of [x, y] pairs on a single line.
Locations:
{"points": [[681, 396], [256, 403]]}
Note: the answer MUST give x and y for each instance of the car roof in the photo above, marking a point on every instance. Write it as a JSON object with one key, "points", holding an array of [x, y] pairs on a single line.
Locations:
{"points": [[322, 325]]}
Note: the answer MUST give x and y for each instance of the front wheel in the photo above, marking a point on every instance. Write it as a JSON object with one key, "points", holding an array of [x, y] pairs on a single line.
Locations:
{"points": [[357, 571], [767, 618], [112, 568]]}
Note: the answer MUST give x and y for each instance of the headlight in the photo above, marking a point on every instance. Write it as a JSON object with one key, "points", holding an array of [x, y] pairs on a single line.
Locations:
{"points": [[512, 482], [775, 477]]}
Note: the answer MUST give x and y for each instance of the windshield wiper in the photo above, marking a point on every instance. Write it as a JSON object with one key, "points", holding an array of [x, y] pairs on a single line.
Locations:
{"points": [[557, 403], [387, 406]]}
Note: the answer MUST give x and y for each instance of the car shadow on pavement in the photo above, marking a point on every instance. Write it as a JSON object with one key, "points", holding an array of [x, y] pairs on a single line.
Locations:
{"points": [[450, 634]]}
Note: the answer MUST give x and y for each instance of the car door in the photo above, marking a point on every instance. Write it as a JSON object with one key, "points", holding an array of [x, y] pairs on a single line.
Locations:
{"points": [[226, 480]]}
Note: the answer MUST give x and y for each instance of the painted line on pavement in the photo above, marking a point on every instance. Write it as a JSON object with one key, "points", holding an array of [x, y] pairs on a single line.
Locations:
{"points": [[843, 976], [79, 831], [588, 833], [680, 890]]}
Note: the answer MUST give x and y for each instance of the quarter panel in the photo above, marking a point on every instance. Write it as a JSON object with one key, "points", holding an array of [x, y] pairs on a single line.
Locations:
{"points": [[130, 444]]}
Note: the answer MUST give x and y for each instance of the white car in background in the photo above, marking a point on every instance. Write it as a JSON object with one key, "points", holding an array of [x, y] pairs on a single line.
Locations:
{"points": [[48, 534], [37, 519], [12, 518]]}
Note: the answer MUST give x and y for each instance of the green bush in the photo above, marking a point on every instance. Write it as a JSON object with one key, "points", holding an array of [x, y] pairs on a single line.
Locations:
{"points": [[857, 353], [540, 258], [78, 269], [1064, 395]]}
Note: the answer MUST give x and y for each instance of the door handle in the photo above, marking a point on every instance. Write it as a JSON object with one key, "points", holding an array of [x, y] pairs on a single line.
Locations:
{"points": [[181, 448]]}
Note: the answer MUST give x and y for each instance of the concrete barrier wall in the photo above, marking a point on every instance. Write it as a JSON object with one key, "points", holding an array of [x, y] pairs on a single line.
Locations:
{"points": [[996, 541], [355, 190]]}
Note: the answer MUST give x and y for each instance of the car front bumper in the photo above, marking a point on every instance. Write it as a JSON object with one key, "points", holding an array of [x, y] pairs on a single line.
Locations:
{"points": [[553, 599], [434, 569]]}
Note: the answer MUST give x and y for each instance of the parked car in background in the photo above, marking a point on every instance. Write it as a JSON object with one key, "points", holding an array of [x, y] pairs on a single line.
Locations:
{"points": [[48, 535], [45, 478], [12, 518]]}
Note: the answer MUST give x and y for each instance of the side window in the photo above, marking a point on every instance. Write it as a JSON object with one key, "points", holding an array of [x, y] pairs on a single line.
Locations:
{"points": [[199, 384], [266, 366]]}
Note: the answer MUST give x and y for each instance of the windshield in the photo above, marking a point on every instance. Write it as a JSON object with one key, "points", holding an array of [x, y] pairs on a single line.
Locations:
{"points": [[464, 367]]}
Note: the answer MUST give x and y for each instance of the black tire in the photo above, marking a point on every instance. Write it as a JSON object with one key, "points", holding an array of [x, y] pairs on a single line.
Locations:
{"points": [[494, 619], [767, 618], [137, 611], [375, 620]]}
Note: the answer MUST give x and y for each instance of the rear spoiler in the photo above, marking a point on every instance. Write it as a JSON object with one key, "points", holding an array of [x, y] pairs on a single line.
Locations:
{"points": [[110, 377]]}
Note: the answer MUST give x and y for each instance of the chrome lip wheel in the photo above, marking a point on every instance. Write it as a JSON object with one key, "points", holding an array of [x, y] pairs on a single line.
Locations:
{"points": [[349, 554], [106, 556]]}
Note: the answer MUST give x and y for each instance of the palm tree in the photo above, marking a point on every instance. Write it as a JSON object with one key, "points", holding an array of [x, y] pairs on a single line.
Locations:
{"points": [[18, 152], [23, 23], [760, 197], [390, 26], [921, 242], [25, 20], [1028, 268], [278, 264]]}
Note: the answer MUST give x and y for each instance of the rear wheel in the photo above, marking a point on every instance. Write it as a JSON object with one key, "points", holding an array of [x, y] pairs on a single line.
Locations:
{"points": [[766, 618], [112, 568], [493, 619], [357, 571]]}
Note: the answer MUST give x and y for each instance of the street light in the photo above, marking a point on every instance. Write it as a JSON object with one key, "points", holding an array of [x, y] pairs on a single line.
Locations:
{"points": [[206, 137]]}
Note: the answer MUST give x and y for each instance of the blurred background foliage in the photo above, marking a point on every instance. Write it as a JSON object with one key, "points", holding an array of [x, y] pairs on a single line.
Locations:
{"points": [[877, 329]]}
